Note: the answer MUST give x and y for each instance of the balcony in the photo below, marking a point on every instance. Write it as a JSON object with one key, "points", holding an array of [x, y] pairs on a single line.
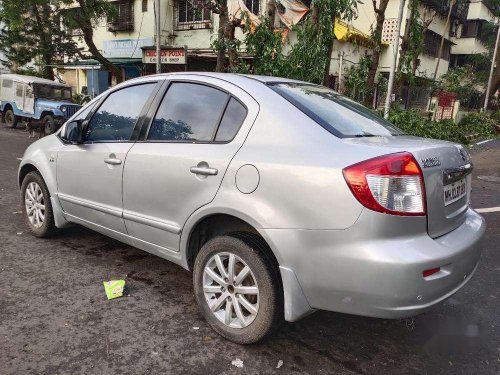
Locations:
{"points": [[442, 7]]}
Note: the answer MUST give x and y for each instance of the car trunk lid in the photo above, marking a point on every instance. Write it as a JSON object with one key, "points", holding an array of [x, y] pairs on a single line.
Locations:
{"points": [[447, 176]]}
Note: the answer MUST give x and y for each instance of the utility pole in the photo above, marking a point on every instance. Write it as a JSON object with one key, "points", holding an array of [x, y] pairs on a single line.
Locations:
{"points": [[492, 69], [158, 37], [394, 61], [452, 3]]}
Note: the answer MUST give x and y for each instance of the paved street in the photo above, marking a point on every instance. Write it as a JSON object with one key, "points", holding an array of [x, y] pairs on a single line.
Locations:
{"points": [[55, 318]]}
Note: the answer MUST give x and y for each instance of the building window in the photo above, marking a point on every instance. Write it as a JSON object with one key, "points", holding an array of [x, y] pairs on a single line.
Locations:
{"points": [[432, 42], [189, 17], [144, 5], [253, 6], [123, 20], [471, 29]]}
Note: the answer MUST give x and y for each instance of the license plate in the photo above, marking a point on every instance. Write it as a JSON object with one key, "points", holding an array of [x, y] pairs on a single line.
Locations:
{"points": [[455, 191]]}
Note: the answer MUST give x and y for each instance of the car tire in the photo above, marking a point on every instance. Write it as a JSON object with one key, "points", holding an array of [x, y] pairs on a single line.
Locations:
{"points": [[247, 250], [34, 197], [10, 118], [49, 124]]}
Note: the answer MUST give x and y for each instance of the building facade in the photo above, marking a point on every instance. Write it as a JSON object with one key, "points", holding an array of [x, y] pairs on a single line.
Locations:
{"points": [[123, 39]]}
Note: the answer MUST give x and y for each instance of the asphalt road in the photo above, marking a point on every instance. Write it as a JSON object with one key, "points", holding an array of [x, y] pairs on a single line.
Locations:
{"points": [[55, 318]]}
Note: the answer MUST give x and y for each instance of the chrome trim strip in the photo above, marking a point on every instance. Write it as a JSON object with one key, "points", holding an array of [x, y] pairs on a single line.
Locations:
{"points": [[92, 205], [451, 175], [152, 222]]}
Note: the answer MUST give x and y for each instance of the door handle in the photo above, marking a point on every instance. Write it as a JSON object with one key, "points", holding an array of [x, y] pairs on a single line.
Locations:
{"points": [[205, 171], [112, 161]]}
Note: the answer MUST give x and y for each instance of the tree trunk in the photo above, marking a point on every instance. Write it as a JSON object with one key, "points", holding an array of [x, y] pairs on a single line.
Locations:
{"points": [[46, 48], [375, 57], [329, 59], [271, 13], [496, 76], [221, 51], [96, 54], [230, 37], [85, 23]]}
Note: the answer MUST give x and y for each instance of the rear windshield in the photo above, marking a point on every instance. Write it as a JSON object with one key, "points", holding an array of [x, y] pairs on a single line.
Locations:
{"points": [[339, 115]]}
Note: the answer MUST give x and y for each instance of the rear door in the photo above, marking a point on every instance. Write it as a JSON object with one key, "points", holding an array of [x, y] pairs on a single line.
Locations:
{"points": [[179, 165], [89, 175]]}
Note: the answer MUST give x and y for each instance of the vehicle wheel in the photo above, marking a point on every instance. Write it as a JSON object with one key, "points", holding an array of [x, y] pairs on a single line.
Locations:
{"points": [[49, 124], [36, 206], [238, 287], [11, 119]]}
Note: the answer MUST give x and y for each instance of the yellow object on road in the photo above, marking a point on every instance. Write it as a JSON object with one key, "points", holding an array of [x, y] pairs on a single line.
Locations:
{"points": [[114, 288]]}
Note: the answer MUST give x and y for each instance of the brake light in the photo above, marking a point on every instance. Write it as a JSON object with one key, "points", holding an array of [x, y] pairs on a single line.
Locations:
{"points": [[392, 184]]}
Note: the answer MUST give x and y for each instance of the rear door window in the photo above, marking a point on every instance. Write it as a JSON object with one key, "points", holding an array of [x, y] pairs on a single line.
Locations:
{"points": [[234, 115], [339, 115], [116, 117], [188, 112]]}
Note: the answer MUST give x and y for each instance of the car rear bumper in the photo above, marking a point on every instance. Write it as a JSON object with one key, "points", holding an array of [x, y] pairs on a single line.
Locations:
{"points": [[372, 271]]}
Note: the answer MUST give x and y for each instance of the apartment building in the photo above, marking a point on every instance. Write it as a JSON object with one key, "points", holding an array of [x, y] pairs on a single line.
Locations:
{"points": [[469, 37], [126, 38]]}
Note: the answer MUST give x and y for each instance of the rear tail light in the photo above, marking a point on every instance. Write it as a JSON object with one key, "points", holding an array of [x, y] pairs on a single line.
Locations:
{"points": [[391, 184]]}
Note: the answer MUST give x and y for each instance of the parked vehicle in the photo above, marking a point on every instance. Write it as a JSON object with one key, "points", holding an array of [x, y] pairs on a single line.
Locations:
{"points": [[281, 196], [27, 98]]}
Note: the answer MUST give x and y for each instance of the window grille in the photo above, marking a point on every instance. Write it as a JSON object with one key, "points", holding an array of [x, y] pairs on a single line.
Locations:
{"points": [[123, 20]]}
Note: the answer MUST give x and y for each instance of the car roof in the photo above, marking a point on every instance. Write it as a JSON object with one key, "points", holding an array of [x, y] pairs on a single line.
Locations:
{"points": [[234, 78], [32, 79]]}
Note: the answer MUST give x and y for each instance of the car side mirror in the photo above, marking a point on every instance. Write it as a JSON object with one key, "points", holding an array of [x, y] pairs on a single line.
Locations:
{"points": [[74, 132]]}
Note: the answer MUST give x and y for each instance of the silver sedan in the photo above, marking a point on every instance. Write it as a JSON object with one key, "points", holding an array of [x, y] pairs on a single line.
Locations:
{"points": [[281, 196]]}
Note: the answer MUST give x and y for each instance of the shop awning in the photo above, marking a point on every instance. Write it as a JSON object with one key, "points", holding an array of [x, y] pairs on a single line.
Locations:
{"points": [[113, 60], [345, 33]]}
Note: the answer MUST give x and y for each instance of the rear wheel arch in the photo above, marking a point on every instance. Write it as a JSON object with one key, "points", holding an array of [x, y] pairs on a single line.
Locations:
{"points": [[11, 120], [215, 225]]}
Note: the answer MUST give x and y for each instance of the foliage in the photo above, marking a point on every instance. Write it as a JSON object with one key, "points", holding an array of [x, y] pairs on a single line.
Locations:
{"points": [[309, 54], [478, 123], [30, 71], [412, 123], [463, 81], [413, 43], [32, 30], [495, 116], [267, 48], [355, 80]]}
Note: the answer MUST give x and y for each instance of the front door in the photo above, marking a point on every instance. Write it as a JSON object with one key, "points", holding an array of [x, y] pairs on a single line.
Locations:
{"points": [[181, 162], [89, 175]]}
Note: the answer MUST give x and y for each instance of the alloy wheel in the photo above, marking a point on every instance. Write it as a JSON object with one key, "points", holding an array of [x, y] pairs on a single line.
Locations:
{"points": [[35, 204], [231, 290]]}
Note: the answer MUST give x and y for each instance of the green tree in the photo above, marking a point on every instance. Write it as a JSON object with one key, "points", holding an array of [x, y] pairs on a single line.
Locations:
{"points": [[309, 56], [377, 46], [463, 81], [32, 31], [226, 45]]}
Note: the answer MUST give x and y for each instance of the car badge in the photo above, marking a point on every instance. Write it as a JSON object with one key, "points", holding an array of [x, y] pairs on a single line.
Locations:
{"points": [[431, 162]]}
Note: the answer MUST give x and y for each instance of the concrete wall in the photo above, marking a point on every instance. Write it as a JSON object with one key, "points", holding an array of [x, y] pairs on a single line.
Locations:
{"points": [[467, 46], [477, 10]]}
